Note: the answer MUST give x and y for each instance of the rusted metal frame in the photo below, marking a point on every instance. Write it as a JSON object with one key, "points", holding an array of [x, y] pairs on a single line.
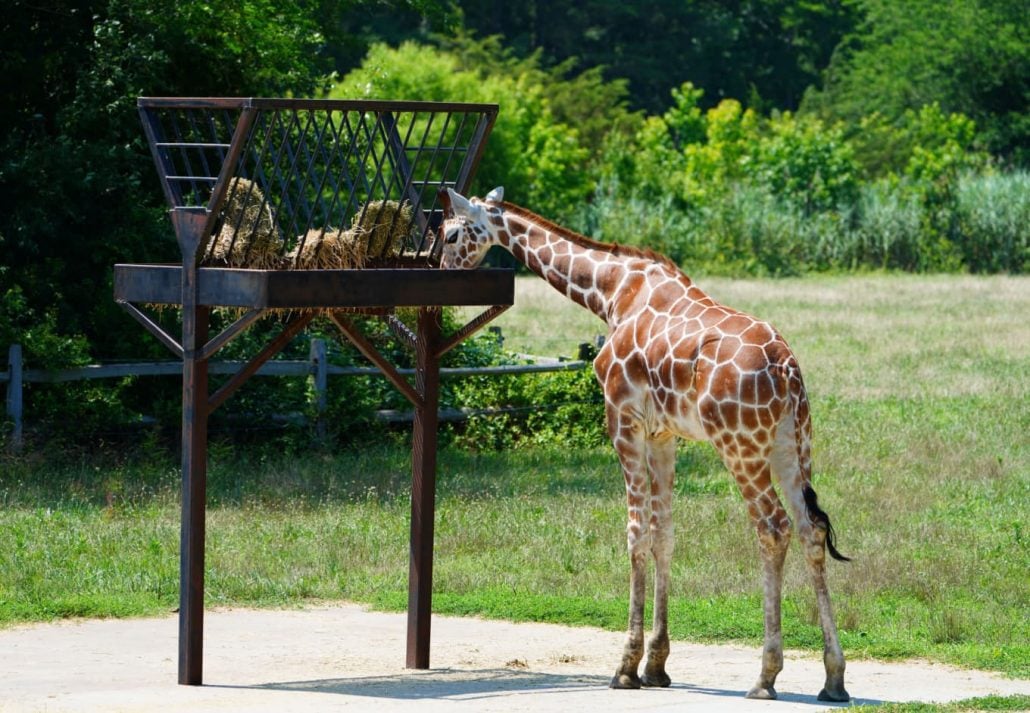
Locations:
{"points": [[333, 104], [231, 332], [199, 148], [189, 231], [369, 351], [241, 136], [290, 177], [153, 327], [218, 142], [216, 202], [330, 158], [393, 147], [425, 216], [223, 129], [327, 175], [162, 159], [180, 143], [423, 488], [429, 170], [285, 205], [450, 149], [291, 330], [398, 176], [194, 497], [308, 176], [473, 326], [194, 102], [412, 285], [477, 145], [312, 176], [377, 161], [401, 331], [400, 149], [363, 174], [376, 105], [446, 168], [194, 145], [352, 146], [291, 172]]}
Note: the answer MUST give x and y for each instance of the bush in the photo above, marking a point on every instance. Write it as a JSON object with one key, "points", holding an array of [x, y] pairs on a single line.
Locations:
{"points": [[991, 225], [538, 159], [560, 408]]}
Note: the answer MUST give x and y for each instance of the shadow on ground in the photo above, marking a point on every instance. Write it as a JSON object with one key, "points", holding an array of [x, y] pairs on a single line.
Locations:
{"points": [[488, 683]]}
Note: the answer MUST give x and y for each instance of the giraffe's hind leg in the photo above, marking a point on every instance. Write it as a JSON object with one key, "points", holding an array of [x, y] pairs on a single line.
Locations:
{"points": [[661, 465], [793, 481], [744, 456]]}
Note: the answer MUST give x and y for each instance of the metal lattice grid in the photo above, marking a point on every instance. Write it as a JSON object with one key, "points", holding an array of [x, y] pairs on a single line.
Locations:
{"points": [[305, 168]]}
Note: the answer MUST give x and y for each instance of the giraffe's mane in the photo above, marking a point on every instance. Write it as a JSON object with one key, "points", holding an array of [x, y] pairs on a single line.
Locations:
{"points": [[589, 243]]}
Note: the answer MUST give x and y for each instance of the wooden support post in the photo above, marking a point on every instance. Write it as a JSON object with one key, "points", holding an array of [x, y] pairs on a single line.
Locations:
{"points": [[423, 487], [14, 395], [189, 229], [320, 371], [194, 498]]}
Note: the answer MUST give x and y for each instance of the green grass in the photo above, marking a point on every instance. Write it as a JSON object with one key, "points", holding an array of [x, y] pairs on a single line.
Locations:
{"points": [[985, 703], [921, 401]]}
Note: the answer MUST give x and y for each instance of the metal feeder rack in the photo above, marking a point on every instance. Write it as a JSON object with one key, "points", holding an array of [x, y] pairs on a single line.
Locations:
{"points": [[308, 168]]}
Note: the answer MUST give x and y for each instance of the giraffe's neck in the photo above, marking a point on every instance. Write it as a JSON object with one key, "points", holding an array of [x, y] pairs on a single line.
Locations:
{"points": [[586, 273]]}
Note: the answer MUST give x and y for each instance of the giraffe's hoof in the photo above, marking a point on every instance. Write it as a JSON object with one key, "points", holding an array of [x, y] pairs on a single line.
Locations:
{"points": [[837, 695], [625, 680], [762, 693], [656, 679]]}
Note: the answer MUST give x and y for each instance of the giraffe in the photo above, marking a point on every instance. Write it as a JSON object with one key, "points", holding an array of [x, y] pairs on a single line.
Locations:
{"points": [[676, 364]]}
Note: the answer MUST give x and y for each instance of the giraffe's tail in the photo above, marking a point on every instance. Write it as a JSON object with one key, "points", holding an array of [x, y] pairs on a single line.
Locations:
{"points": [[816, 514]]}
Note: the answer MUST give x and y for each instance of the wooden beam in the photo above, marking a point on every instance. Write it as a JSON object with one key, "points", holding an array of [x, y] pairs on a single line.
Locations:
{"points": [[473, 326], [250, 368], [423, 488], [372, 354]]}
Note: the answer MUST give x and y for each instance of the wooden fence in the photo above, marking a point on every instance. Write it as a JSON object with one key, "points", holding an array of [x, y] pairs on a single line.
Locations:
{"points": [[316, 366]]}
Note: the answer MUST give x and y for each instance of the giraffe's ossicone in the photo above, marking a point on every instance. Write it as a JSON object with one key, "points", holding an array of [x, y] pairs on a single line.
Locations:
{"points": [[676, 364]]}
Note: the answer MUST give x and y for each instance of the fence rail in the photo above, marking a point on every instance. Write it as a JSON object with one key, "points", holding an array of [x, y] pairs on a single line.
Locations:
{"points": [[316, 366]]}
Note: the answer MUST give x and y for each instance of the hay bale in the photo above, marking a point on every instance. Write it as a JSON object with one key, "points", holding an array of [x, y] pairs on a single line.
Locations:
{"points": [[386, 226], [328, 250], [249, 236]]}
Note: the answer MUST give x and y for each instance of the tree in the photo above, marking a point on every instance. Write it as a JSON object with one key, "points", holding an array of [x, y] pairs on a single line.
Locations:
{"points": [[968, 56], [767, 51]]}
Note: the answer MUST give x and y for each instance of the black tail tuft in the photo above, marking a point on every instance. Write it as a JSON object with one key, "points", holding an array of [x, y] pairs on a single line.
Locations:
{"points": [[818, 516]]}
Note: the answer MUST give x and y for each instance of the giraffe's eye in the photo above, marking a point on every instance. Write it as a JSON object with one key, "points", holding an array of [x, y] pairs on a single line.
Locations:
{"points": [[452, 235]]}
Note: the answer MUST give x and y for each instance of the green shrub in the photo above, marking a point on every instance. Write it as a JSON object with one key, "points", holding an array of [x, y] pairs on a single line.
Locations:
{"points": [[537, 158], [991, 224], [564, 408]]}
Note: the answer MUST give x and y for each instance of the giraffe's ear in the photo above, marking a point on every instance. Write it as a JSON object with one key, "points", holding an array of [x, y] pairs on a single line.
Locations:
{"points": [[460, 205], [496, 195]]}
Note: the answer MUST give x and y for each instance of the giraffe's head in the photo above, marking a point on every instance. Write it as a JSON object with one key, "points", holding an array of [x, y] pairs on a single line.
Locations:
{"points": [[469, 228]]}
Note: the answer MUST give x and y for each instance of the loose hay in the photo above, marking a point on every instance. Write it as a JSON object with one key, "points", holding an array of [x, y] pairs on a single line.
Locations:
{"points": [[387, 225], [331, 250], [249, 236]]}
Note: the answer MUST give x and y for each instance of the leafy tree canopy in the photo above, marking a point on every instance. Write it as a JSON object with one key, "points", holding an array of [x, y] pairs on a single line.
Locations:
{"points": [[967, 56]]}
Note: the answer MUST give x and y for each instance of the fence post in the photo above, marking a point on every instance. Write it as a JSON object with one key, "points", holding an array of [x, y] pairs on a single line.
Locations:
{"points": [[14, 394], [320, 370]]}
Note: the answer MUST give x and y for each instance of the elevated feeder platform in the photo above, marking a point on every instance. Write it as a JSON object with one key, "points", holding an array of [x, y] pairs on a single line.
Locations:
{"points": [[261, 193]]}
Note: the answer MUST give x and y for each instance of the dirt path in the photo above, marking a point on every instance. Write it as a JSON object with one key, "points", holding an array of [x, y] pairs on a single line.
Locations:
{"points": [[344, 658]]}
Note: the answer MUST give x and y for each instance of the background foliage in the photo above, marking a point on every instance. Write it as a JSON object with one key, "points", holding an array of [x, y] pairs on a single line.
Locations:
{"points": [[757, 137]]}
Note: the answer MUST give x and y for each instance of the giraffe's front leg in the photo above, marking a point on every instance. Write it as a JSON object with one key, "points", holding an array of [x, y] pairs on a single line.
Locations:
{"points": [[626, 674], [661, 464], [629, 444]]}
